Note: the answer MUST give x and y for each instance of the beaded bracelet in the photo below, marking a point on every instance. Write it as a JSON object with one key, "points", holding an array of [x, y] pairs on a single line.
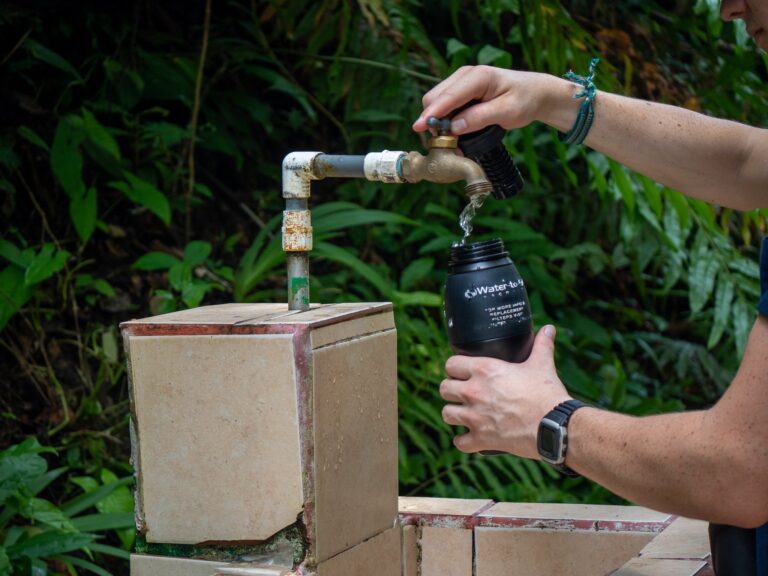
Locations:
{"points": [[586, 115]]}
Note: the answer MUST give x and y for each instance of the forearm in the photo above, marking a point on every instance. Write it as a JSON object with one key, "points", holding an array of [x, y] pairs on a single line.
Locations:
{"points": [[709, 464], [707, 158], [655, 461]]}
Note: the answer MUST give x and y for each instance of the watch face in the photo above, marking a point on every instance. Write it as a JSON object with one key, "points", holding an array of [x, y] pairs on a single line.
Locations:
{"points": [[550, 441]]}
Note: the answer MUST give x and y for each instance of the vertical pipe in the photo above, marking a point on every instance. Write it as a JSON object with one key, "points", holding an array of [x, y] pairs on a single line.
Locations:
{"points": [[298, 280]]}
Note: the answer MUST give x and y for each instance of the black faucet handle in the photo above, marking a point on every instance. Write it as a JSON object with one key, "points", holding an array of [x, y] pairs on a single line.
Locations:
{"points": [[442, 125]]}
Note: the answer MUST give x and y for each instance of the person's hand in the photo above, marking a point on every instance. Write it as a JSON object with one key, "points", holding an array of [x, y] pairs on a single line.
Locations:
{"points": [[510, 98], [502, 403]]}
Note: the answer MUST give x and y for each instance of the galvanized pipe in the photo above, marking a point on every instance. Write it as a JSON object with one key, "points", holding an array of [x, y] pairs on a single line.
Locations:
{"points": [[338, 166]]}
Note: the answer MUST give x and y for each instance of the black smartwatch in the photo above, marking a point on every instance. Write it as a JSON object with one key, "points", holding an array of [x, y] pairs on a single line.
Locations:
{"points": [[552, 439]]}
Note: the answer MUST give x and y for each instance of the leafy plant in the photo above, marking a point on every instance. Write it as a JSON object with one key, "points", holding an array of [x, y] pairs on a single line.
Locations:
{"points": [[126, 192], [189, 279], [40, 537]]}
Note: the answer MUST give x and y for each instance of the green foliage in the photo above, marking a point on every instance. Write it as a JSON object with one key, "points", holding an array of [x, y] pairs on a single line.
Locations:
{"points": [[36, 534], [652, 293]]}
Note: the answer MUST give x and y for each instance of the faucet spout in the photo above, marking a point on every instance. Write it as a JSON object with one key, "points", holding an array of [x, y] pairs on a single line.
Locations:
{"points": [[443, 165]]}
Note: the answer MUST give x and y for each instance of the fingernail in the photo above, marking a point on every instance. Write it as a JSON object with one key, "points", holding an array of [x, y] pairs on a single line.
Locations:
{"points": [[549, 331], [458, 126]]}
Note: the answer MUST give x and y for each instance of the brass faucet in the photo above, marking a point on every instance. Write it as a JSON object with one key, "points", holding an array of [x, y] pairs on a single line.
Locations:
{"points": [[443, 165]]}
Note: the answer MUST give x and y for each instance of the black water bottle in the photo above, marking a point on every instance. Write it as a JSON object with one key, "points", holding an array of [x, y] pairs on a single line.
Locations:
{"points": [[486, 304]]}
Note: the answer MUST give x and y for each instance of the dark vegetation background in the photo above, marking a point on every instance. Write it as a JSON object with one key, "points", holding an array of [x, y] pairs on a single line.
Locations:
{"points": [[140, 151]]}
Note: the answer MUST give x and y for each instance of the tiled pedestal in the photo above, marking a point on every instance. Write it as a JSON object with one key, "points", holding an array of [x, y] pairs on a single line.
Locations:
{"points": [[249, 420]]}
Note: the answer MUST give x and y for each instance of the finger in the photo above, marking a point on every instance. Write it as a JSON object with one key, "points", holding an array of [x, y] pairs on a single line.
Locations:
{"points": [[466, 442], [472, 85], [459, 367], [450, 390], [544, 345], [454, 415], [446, 84], [421, 122]]}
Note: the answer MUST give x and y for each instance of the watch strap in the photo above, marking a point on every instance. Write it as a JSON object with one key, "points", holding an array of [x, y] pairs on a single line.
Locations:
{"points": [[561, 414]]}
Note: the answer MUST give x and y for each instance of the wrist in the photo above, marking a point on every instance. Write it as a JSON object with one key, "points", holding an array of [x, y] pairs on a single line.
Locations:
{"points": [[553, 435], [558, 107]]}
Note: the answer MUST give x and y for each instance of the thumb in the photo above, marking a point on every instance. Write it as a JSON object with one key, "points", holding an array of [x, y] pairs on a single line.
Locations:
{"points": [[544, 345]]}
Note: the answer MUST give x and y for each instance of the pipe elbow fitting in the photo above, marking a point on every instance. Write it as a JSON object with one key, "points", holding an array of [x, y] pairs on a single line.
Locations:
{"points": [[298, 171]]}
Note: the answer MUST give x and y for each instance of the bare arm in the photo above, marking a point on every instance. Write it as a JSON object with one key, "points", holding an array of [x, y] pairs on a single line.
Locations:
{"points": [[708, 464], [711, 464], [718, 161]]}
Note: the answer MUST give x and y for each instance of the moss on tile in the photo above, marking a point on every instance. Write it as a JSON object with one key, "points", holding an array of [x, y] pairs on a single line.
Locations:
{"points": [[289, 542]]}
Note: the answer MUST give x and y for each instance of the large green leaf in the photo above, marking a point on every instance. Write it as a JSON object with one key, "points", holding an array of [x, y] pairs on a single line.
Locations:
{"points": [[196, 252], [156, 261], [83, 212], [49, 543], [45, 264], [145, 194], [20, 465], [13, 254], [66, 156], [702, 275], [85, 501], [104, 521], [50, 57], [14, 293], [99, 135], [346, 258], [723, 301]]}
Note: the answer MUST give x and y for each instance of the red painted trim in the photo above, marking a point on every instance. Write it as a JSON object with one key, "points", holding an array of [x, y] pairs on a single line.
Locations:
{"points": [[302, 354], [207, 329], [476, 521]]}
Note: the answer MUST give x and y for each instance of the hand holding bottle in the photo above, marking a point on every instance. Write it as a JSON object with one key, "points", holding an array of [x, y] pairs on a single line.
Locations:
{"points": [[502, 403]]}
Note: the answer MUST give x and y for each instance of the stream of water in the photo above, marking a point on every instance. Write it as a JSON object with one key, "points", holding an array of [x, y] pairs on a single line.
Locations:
{"points": [[466, 216]]}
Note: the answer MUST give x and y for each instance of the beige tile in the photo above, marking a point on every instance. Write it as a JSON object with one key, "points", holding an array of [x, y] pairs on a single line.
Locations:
{"points": [[322, 314], [658, 567], [142, 565], [355, 424], [217, 427], [536, 552], [410, 552], [448, 506], [684, 538], [575, 512], [446, 552], [379, 556], [352, 328], [216, 314], [161, 566]]}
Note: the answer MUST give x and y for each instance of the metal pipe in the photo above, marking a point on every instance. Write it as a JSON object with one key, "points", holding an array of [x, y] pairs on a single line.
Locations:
{"points": [[441, 165], [298, 280], [339, 166]]}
